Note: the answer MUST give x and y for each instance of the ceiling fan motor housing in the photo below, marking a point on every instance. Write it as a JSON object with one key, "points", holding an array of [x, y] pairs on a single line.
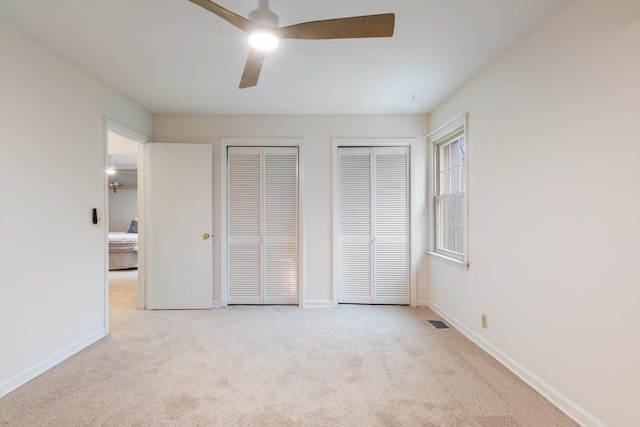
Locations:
{"points": [[263, 16]]}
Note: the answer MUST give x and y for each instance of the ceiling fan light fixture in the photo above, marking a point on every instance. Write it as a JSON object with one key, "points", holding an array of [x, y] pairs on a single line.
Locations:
{"points": [[111, 169], [263, 40]]}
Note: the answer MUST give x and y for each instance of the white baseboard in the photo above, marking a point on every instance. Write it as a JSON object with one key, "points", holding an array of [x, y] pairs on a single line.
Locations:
{"points": [[28, 374], [422, 303], [216, 303], [318, 303], [562, 402]]}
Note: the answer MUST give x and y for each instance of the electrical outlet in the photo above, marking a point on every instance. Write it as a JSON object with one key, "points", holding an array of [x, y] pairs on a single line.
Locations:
{"points": [[484, 320]]}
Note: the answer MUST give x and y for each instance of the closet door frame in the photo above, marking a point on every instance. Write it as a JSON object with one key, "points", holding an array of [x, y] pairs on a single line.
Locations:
{"points": [[373, 142], [259, 142]]}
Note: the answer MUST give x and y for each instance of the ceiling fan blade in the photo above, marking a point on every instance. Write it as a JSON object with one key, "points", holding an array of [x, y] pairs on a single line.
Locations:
{"points": [[342, 28], [252, 68], [243, 23]]}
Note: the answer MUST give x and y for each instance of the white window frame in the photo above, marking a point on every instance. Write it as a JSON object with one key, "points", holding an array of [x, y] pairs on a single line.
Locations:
{"points": [[451, 131]]}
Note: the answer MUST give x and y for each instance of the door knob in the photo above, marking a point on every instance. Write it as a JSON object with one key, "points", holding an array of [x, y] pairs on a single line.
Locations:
{"points": [[205, 236]]}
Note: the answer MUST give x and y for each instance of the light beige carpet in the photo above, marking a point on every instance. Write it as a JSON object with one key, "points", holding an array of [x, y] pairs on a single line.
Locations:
{"points": [[279, 366], [123, 289]]}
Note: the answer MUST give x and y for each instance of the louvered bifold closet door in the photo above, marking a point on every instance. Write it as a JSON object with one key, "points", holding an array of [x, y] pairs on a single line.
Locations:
{"points": [[354, 225], [391, 226], [244, 225], [280, 225]]}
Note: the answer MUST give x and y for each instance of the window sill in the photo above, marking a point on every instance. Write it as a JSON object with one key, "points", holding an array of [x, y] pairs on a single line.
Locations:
{"points": [[453, 261]]}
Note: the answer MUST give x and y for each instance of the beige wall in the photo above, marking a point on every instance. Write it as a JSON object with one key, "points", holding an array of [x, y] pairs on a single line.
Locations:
{"points": [[123, 208], [52, 174], [554, 211], [317, 132]]}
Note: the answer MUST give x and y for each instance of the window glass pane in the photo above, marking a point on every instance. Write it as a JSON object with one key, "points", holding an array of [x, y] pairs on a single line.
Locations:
{"points": [[450, 209], [444, 182], [439, 215], [450, 239], [459, 214], [461, 173], [463, 150], [445, 158], [455, 153], [440, 243], [459, 238], [455, 179]]}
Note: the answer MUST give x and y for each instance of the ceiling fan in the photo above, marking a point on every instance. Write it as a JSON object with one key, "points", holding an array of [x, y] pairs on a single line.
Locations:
{"points": [[264, 33]]}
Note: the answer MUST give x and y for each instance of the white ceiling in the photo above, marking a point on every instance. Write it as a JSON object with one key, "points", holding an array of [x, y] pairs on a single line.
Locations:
{"points": [[172, 56], [124, 162]]}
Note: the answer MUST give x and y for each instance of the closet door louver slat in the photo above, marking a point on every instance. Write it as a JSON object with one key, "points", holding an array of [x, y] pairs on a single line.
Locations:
{"points": [[391, 225], [354, 193], [373, 225], [355, 273], [281, 225], [262, 223], [244, 273], [244, 225]]}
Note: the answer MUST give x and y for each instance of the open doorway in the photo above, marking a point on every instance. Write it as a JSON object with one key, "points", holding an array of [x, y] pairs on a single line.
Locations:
{"points": [[123, 221]]}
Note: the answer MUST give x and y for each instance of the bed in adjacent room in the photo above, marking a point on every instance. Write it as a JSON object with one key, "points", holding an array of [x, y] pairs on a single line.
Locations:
{"points": [[123, 248]]}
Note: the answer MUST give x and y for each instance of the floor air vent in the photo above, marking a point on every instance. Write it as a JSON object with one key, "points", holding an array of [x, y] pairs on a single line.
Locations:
{"points": [[439, 324]]}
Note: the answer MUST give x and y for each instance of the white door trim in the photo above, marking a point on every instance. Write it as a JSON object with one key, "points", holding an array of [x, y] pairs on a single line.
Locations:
{"points": [[113, 126], [260, 142], [373, 142]]}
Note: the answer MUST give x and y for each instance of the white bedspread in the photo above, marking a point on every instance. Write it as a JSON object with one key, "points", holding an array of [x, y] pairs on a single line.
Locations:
{"points": [[123, 242]]}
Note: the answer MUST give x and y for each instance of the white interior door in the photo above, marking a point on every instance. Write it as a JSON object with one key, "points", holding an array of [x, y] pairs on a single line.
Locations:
{"points": [[244, 225], [391, 226], [373, 225], [280, 225], [355, 245], [179, 224], [262, 225]]}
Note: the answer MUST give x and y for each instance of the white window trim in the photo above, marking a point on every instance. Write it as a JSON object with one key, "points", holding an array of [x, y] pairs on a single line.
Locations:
{"points": [[435, 137]]}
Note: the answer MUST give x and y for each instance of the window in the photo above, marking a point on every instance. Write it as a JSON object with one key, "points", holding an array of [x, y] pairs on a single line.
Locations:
{"points": [[449, 201]]}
